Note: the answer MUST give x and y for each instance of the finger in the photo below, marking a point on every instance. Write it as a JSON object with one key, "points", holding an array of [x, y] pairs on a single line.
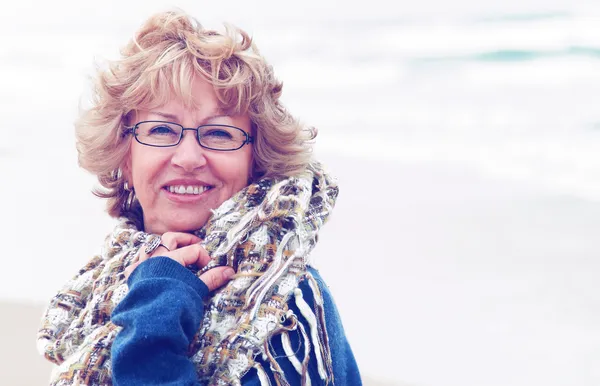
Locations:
{"points": [[192, 254], [174, 240], [203, 257], [170, 241], [216, 277]]}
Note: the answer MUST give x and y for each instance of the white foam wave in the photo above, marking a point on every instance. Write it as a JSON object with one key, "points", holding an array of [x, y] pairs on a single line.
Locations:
{"points": [[443, 40]]}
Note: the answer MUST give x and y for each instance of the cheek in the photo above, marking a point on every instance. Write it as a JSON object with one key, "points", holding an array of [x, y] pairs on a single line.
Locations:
{"points": [[143, 166], [237, 171], [137, 166]]}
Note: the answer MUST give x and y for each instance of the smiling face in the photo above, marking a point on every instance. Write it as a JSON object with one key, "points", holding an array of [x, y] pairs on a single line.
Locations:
{"points": [[178, 186]]}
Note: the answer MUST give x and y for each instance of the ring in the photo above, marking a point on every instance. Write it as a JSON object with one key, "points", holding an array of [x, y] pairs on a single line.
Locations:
{"points": [[152, 245], [164, 246]]}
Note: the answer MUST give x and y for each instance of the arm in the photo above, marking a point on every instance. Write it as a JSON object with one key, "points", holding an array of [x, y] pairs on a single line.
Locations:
{"points": [[159, 317]]}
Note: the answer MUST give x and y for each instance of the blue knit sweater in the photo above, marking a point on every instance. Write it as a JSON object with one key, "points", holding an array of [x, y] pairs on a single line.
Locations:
{"points": [[162, 312]]}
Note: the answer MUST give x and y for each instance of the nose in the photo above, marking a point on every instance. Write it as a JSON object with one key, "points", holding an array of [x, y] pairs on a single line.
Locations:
{"points": [[189, 155]]}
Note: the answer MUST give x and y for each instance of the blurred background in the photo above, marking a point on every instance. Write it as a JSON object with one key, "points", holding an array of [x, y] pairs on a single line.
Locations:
{"points": [[465, 136]]}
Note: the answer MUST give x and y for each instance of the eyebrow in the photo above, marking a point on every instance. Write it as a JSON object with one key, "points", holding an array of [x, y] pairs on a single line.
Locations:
{"points": [[165, 115], [174, 118]]}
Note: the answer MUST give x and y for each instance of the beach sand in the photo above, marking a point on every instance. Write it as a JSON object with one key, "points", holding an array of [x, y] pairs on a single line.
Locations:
{"points": [[21, 364]]}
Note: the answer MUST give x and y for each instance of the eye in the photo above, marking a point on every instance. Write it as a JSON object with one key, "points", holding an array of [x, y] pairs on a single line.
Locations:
{"points": [[218, 133], [161, 130]]}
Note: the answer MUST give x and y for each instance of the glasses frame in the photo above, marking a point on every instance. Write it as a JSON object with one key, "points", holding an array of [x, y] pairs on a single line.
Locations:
{"points": [[132, 130]]}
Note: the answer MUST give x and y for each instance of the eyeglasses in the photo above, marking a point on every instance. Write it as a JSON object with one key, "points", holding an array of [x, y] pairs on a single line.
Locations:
{"points": [[168, 134]]}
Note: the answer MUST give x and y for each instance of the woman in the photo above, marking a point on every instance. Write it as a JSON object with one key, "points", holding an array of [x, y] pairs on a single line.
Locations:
{"points": [[205, 279]]}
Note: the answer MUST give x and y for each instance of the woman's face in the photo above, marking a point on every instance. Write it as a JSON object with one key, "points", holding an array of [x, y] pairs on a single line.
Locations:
{"points": [[214, 176]]}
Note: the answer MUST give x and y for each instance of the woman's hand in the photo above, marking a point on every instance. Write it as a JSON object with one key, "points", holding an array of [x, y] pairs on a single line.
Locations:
{"points": [[186, 250]]}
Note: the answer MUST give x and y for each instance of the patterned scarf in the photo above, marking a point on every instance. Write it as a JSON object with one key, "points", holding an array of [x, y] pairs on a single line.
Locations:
{"points": [[266, 233]]}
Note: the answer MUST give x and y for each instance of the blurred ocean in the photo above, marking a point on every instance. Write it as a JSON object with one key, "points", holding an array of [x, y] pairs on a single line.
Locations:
{"points": [[507, 91]]}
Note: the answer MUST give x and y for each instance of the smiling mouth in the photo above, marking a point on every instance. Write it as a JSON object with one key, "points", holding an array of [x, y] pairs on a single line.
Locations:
{"points": [[188, 189]]}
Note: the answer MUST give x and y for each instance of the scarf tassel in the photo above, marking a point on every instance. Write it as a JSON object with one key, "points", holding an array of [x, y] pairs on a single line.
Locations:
{"points": [[262, 375], [320, 309], [310, 317], [315, 340]]}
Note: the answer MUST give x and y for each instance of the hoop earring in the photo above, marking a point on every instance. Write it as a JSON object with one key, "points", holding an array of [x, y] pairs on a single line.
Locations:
{"points": [[130, 196]]}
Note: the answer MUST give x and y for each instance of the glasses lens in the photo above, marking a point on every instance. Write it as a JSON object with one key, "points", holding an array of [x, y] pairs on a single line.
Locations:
{"points": [[158, 133], [221, 137]]}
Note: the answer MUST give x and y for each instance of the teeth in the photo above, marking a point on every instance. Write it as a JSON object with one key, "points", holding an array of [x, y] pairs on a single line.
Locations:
{"points": [[190, 189]]}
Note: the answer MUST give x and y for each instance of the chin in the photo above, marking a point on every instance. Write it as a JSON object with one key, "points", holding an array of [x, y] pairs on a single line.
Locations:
{"points": [[177, 223], [187, 224]]}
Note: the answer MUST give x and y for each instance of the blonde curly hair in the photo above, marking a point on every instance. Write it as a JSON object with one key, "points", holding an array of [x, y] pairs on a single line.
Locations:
{"points": [[161, 60]]}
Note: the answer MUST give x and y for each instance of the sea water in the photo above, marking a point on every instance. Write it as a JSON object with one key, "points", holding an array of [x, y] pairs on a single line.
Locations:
{"points": [[508, 89]]}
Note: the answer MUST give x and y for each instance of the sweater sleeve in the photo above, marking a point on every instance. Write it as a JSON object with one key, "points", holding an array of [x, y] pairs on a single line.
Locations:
{"points": [[159, 317]]}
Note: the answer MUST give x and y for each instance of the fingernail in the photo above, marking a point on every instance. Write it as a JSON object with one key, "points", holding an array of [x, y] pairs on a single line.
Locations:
{"points": [[228, 273]]}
